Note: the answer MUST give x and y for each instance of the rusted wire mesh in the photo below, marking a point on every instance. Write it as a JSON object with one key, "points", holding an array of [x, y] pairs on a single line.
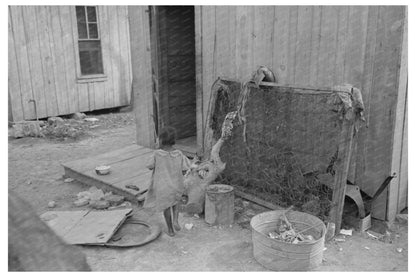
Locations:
{"points": [[285, 139]]}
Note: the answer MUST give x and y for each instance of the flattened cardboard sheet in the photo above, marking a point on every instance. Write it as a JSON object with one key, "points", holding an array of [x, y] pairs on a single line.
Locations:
{"points": [[87, 226]]}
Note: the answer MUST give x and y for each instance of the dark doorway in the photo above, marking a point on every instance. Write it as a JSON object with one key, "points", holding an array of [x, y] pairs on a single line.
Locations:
{"points": [[173, 60]]}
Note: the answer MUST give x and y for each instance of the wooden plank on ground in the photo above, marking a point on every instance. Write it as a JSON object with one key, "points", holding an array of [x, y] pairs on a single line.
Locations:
{"points": [[85, 227], [122, 170], [107, 158], [97, 227], [61, 222], [142, 181], [99, 184], [256, 200]]}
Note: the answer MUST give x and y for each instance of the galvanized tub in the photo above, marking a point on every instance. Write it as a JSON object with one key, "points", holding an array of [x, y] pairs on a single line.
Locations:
{"points": [[283, 256]]}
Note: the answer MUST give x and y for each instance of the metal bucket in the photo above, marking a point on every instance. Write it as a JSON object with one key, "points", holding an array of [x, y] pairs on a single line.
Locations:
{"points": [[285, 256], [219, 205]]}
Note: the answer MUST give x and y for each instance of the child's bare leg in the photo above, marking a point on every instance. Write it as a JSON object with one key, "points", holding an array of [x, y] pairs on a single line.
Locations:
{"points": [[175, 210], [168, 218]]}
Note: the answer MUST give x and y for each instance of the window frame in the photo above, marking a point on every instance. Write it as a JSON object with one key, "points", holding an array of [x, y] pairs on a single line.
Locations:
{"points": [[92, 77]]}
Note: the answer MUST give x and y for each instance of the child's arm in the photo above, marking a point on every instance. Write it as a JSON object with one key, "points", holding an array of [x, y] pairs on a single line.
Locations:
{"points": [[151, 162]]}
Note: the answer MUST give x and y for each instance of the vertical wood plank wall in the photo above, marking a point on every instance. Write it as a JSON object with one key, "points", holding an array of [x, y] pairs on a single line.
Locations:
{"points": [[317, 46], [142, 75], [43, 61]]}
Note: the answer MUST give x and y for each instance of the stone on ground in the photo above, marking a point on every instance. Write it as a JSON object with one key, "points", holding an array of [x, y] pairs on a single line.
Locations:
{"points": [[79, 116], [91, 119], [55, 120]]}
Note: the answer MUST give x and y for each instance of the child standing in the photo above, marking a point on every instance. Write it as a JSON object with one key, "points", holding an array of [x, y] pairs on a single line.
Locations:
{"points": [[167, 182]]}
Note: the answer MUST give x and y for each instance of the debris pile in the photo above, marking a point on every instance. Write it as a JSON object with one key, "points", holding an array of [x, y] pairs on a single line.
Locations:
{"points": [[287, 233], [97, 199], [73, 126]]}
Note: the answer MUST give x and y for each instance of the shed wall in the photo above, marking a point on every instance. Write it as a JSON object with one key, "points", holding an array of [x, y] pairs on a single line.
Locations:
{"points": [[44, 62], [314, 46]]}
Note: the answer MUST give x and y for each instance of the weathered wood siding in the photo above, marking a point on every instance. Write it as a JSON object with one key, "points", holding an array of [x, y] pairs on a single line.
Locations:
{"points": [[44, 62], [317, 46], [142, 75]]}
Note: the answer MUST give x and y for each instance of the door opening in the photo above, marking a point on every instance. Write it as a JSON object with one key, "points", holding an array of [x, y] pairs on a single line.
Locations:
{"points": [[173, 62]]}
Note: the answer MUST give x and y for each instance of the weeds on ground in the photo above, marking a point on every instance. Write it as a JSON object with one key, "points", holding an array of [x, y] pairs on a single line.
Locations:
{"points": [[63, 131]]}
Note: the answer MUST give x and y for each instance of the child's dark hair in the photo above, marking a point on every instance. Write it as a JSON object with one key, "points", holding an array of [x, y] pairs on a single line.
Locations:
{"points": [[167, 136]]}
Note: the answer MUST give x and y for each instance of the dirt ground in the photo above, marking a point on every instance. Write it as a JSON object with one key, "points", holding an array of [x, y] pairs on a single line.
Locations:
{"points": [[35, 174]]}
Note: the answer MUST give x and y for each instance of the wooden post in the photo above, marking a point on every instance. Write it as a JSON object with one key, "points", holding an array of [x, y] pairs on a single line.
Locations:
{"points": [[342, 165], [142, 75], [398, 164], [198, 70]]}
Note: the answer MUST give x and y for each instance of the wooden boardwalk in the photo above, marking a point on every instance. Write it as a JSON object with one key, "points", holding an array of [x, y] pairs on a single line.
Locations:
{"points": [[128, 167]]}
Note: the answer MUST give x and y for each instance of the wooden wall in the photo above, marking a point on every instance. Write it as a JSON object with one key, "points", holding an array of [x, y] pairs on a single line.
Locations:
{"points": [[44, 62], [142, 75], [316, 46]]}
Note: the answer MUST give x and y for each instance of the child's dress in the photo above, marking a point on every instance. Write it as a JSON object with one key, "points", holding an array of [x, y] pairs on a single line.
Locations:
{"points": [[166, 185]]}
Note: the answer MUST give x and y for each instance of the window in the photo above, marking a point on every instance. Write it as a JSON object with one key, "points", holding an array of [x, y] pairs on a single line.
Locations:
{"points": [[89, 42]]}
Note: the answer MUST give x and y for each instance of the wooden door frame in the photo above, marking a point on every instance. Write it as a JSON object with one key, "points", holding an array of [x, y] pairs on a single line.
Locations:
{"points": [[142, 75], [398, 184], [200, 128], [157, 62]]}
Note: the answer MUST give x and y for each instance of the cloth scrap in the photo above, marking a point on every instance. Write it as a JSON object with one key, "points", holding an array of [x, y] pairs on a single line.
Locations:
{"points": [[351, 104]]}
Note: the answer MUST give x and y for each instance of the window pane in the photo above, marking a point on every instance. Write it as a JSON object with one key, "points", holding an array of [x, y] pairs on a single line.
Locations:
{"points": [[82, 30], [93, 30], [80, 13], [81, 23], [92, 16], [90, 57]]}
